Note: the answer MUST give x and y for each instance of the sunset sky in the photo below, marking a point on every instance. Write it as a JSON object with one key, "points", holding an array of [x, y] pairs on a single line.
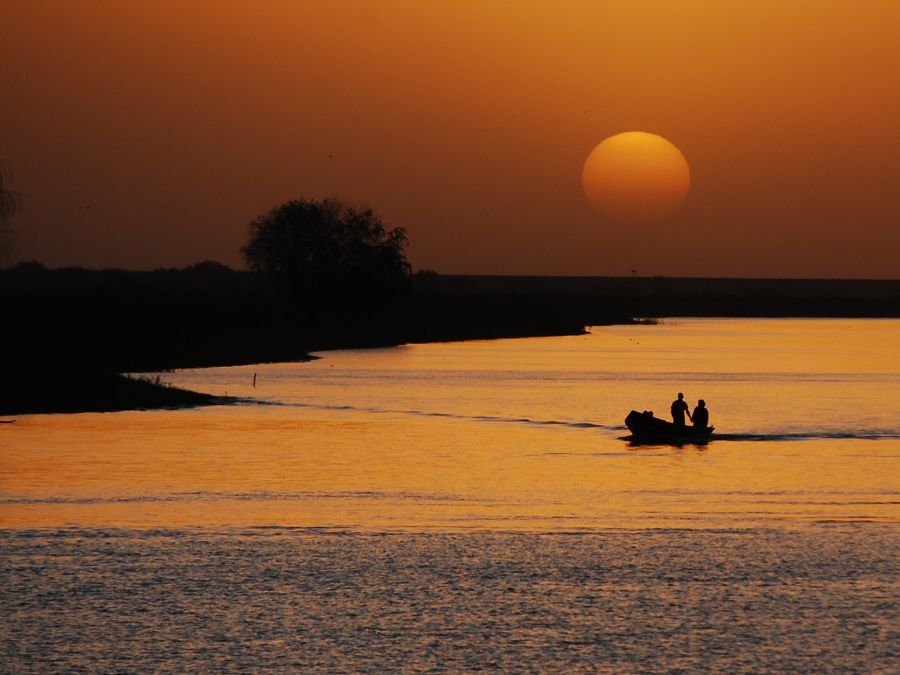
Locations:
{"points": [[148, 133]]}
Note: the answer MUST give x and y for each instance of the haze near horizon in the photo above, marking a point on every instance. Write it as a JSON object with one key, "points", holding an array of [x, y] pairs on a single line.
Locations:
{"points": [[149, 134]]}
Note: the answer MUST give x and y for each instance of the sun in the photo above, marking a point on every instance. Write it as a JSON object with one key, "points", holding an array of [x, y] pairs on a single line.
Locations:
{"points": [[636, 177]]}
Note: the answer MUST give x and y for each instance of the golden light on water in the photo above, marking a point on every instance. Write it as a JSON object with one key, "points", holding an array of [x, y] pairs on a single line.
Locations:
{"points": [[436, 489], [512, 434], [636, 177]]}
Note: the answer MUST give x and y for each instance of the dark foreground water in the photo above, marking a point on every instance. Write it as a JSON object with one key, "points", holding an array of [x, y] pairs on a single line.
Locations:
{"points": [[819, 600]]}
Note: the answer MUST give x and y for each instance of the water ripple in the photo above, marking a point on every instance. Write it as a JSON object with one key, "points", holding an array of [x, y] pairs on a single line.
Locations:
{"points": [[857, 434]]}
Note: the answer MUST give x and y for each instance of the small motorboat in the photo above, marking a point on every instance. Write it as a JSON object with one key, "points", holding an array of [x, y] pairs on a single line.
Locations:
{"points": [[645, 428]]}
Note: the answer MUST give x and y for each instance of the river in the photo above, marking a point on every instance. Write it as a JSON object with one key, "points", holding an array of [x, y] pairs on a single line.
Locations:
{"points": [[470, 505]]}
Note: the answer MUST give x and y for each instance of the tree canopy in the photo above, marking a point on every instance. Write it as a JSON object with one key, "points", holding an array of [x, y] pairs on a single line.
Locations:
{"points": [[9, 202], [325, 252], [9, 205]]}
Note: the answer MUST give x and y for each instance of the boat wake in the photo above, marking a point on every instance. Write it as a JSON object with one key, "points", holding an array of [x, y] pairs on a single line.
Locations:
{"points": [[860, 434], [425, 413], [777, 438]]}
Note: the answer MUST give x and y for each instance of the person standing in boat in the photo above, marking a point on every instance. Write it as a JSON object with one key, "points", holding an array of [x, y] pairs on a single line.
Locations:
{"points": [[701, 414], [679, 410]]}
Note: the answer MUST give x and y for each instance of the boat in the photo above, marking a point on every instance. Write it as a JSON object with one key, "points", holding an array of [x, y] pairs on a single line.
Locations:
{"points": [[645, 428]]}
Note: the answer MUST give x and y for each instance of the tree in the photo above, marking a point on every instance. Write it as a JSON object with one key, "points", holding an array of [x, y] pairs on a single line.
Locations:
{"points": [[328, 255], [9, 206]]}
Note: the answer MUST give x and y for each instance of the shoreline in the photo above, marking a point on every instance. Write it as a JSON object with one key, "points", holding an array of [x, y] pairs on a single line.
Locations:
{"points": [[99, 391], [91, 391], [74, 332]]}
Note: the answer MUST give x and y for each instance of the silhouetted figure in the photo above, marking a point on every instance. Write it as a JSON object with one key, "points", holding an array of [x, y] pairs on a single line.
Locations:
{"points": [[701, 414], [679, 409]]}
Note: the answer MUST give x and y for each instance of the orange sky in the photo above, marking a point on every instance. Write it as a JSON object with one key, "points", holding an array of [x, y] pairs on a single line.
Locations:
{"points": [[148, 133]]}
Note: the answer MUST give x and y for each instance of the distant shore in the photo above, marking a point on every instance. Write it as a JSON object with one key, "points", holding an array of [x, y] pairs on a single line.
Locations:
{"points": [[72, 332]]}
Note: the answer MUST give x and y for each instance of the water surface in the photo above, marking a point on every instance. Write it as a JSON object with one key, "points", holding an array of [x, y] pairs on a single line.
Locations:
{"points": [[472, 505], [521, 434]]}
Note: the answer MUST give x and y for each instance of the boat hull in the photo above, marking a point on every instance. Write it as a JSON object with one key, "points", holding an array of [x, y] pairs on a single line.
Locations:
{"points": [[645, 428]]}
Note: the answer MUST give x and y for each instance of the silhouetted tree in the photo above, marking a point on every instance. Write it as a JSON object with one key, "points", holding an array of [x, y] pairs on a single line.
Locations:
{"points": [[9, 205], [324, 253]]}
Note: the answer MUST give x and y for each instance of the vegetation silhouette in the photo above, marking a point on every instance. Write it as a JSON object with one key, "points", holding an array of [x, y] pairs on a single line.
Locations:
{"points": [[9, 201], [9, 206], [326, 255], [324, 276]]}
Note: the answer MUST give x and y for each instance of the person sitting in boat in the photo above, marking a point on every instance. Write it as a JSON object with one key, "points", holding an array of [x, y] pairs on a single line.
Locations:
{"points": [[701, 414], [679, 409]]}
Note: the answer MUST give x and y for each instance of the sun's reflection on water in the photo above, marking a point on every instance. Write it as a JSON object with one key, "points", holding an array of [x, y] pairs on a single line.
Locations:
{"points": [[507, 435]]}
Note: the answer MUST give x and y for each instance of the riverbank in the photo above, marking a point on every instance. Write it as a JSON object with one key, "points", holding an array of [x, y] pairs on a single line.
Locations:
{"points": [[94, 392], [71, 332]]}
